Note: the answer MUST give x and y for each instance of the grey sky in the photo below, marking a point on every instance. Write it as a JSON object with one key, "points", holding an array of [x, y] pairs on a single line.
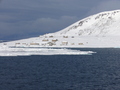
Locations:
{"points": [[27, 18]]}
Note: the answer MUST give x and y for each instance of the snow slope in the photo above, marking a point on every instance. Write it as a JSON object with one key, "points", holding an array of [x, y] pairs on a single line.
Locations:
{"points": [[101, 24]]}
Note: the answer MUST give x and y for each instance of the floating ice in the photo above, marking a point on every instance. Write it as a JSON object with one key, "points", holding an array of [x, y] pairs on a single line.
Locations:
{"points": [[40, 51]]}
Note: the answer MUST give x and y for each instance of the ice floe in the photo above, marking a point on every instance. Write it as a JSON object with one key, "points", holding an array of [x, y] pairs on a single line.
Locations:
{"points": [[41, 51]]}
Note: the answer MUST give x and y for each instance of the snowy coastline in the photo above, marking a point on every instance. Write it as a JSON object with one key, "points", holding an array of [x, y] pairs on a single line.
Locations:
{"points": [[97, 31]]}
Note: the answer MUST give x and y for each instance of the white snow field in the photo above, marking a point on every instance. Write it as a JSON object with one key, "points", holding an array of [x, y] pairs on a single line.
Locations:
{"points": [[101, 30]]}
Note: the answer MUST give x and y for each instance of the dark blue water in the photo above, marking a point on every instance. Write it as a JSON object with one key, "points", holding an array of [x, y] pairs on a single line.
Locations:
{"points": [[100, 71]]}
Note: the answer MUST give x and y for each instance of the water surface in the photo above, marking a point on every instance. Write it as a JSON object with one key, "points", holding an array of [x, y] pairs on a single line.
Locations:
{"points": [[100, 71]]}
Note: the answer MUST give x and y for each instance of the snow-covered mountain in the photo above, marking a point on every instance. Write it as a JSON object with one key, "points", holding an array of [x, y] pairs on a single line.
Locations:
{"points": [[102, 24], [99, 30]]}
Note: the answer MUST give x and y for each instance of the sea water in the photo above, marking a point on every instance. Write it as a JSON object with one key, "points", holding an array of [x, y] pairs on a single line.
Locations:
{"points": [[99, 71]]}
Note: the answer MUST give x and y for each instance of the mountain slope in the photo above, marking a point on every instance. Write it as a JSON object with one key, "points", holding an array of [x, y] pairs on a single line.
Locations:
{"points": [[101, 24]]}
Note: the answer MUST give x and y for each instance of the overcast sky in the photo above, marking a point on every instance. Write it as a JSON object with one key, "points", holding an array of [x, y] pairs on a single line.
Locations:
{"points": [[28, 18]]}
